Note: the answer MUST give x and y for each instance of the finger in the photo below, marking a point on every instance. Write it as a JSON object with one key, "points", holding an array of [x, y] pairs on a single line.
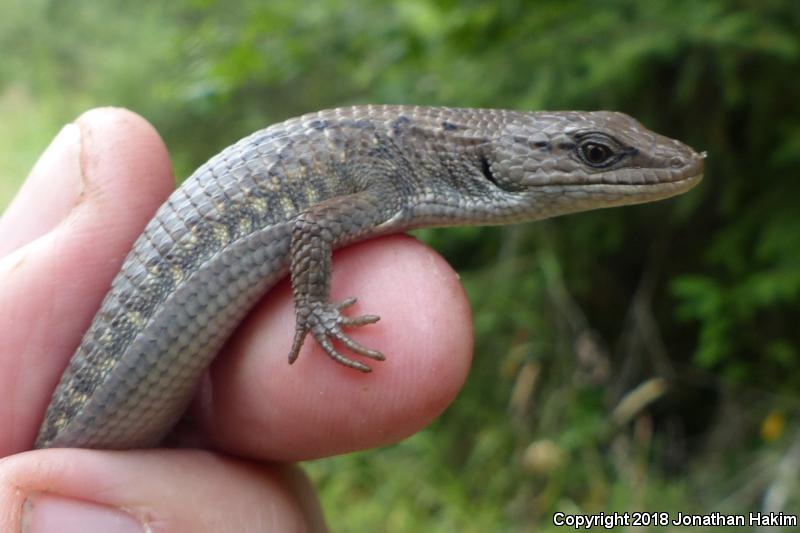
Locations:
{"points": [[257, 405], [115, 491], [112, 174], [48, 194]]}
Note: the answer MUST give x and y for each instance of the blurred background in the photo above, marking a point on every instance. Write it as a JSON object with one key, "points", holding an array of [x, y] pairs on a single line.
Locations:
{"points": [[636, 359]]}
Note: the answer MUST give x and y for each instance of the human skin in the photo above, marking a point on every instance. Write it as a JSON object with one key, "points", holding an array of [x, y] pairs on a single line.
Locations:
{"points": [[63, 239]]}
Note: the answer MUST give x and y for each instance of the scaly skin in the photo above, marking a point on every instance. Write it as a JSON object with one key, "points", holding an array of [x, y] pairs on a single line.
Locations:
{"points": [[283, 198]]}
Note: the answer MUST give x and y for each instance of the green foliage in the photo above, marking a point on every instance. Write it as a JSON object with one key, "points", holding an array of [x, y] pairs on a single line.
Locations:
{"points": [[570, 315]]}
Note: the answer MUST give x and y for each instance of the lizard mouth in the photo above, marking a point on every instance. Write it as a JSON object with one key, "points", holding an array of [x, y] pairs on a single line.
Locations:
{"points": [[616, 193]]}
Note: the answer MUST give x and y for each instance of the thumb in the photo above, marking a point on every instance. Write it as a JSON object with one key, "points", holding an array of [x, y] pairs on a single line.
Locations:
{"points": [[68, 490], [64, 236]]}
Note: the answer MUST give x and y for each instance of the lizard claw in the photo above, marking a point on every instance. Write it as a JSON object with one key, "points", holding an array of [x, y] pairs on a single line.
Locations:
{"points": [[325, 322]]}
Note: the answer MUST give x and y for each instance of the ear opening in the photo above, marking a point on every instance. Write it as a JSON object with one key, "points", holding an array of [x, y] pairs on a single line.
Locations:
{"points": [[486, 170]]}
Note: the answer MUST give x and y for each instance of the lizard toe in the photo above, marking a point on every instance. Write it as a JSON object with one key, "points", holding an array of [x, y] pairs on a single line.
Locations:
{"points": [[327, 345], [342, 337]]}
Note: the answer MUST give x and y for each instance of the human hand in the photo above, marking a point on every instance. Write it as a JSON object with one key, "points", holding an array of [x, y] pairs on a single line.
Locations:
{"points": [[61, 242]]}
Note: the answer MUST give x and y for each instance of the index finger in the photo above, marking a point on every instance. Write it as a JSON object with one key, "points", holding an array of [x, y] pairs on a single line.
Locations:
{"points": [[257, 405]]}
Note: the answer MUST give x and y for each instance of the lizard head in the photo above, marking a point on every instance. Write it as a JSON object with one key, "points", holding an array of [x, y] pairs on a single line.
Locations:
{"points": [[555, 163]]}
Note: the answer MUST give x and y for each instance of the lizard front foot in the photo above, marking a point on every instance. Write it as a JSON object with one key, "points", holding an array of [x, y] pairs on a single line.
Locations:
{"points": [[325, 321]]}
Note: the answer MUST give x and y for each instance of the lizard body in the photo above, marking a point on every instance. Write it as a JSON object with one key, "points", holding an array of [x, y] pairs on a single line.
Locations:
{"points": [[280, 200]]}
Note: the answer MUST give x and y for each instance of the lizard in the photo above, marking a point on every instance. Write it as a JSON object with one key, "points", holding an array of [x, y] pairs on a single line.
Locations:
{"points": [[280, 200]]}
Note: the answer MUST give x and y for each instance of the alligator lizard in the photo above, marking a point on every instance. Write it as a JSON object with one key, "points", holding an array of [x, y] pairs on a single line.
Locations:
{"points": [[280, 200]]}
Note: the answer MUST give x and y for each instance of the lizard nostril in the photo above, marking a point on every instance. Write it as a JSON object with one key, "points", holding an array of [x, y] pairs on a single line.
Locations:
{"points": [[676, 162]]}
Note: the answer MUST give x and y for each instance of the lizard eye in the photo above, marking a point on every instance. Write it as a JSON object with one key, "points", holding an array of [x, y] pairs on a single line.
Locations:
{"points": [[596, 154]]}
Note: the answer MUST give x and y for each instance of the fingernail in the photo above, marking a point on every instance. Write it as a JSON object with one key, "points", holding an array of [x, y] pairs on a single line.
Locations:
{"points": [[46, 513]]}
